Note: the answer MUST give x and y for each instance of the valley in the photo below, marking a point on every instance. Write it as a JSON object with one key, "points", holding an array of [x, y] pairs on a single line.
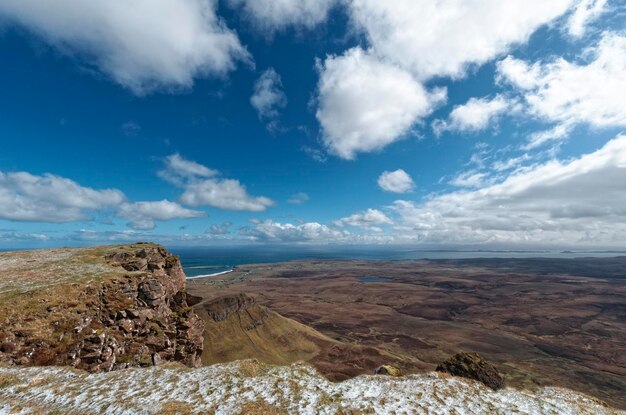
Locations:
{"points": [[541, 321]]}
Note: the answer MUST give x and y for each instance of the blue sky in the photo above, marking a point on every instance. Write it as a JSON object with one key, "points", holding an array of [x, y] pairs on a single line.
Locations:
{"points": [[477, 124]]}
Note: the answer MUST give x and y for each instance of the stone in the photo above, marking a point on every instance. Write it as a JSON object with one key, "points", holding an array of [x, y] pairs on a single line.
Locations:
{"points": [[388, 370], [472, 366]]}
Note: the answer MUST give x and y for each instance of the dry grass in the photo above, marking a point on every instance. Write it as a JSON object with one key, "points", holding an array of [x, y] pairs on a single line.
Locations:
{"points": [[261, 408], [176, 408]]}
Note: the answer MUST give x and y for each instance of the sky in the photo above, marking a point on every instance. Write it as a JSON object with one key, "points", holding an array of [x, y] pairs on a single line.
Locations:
{"points": [[465, 124]]}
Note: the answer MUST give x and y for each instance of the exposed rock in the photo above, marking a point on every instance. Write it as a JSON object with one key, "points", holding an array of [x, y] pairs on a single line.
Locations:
{"points": [[221, 308], [472, 366], [388, 370], [140, 317]]}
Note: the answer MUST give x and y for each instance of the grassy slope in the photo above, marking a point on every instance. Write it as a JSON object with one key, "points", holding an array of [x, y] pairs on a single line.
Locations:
{"points": [[277, 340]]}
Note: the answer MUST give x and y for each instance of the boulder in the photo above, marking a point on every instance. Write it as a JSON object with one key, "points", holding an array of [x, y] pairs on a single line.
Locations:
{"points": [[472, 366], [388, 370]]}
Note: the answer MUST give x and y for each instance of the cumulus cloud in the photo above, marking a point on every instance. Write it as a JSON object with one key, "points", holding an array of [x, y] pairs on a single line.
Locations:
{"points": [[142, 215], [443, 38], [202, 187], [298, 198], [366, 104], [142, 45], [55, 199], [586, 11], [569, 93], [270, 231], [276, 15], [575, 202], [368, 99], [222, 229], [228, 194], [370, 218], [50, 198], [178, 170], [268, 98], [397, 181], [474, 115]]}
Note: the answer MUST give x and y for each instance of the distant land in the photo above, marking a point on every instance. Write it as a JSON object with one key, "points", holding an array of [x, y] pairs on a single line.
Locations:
{"points": [[121, 329]]}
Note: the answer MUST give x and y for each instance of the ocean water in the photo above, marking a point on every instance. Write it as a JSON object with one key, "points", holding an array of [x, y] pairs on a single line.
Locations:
{"points": [[205, 261]]}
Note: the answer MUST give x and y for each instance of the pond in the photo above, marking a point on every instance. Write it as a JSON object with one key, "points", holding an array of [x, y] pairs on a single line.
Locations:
{"points": [[371, 278]]}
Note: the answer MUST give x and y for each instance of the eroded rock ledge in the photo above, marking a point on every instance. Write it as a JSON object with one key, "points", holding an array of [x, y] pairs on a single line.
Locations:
{"points": [[139, 315]]}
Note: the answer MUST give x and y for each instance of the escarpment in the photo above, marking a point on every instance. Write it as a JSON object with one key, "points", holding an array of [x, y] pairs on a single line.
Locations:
{"points": [[97, 309]]}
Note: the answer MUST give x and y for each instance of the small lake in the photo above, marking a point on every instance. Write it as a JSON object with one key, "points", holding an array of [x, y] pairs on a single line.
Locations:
{"points": [[371, 278]]}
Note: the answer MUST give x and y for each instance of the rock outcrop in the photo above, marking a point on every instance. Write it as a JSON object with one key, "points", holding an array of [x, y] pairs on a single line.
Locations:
{"points": [[388, 370], [139, 316], [472, 366]]}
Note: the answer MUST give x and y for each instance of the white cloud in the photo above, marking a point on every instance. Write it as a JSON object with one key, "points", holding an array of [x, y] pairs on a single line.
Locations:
{"points": [[366, 104], [141, 215], [202, 187], [226, 194], [367, 219], [368, 99], [268, 98], [511, 163], [576, 202], [474, 115], [276, 15], [441, 38], [222, 229], [298, 198], [470, 178], [141, 44], [397, 181], [586, 11], [178, 170], [270, 231], [557, 132], [50, 198], [569, 93]]}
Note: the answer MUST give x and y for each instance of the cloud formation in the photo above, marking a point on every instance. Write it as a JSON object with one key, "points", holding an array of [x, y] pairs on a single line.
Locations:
{"points": [[369, 98], [222, 229], [577, 202], [270, 231], [371, 218], [475, 115], [586, 12], [55, 199], [142, 215], [268, 98], [143, 45], [298, 198], [50, 198], [397, 181], [568, 93], [366, 104], [444, 38], [202, 187], [276, 15]]}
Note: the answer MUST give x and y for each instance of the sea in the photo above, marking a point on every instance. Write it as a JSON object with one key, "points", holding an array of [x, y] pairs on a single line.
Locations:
{"points": [[214, 261]]}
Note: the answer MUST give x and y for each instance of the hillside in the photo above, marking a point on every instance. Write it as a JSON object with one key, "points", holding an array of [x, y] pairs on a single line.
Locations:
{"points": [[113, 330], [96, 309], [237, 327], [247, 387]]}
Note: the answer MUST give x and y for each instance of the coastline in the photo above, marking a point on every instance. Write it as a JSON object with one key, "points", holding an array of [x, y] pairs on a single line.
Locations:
{"points": [[211, 275]]}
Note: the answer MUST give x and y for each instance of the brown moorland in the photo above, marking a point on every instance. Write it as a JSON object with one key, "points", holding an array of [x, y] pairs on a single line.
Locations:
{"points": [[540, 321]]}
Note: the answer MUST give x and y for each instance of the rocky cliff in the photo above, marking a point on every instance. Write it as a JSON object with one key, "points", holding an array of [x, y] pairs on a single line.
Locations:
{"points": [[97, 309]]}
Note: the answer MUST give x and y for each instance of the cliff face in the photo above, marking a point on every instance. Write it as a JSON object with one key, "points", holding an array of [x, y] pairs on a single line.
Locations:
{"points": [[133, 311]]}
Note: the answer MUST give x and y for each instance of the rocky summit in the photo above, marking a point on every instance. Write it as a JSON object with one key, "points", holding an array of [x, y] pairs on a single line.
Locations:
{"points": [[96, 309]]}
